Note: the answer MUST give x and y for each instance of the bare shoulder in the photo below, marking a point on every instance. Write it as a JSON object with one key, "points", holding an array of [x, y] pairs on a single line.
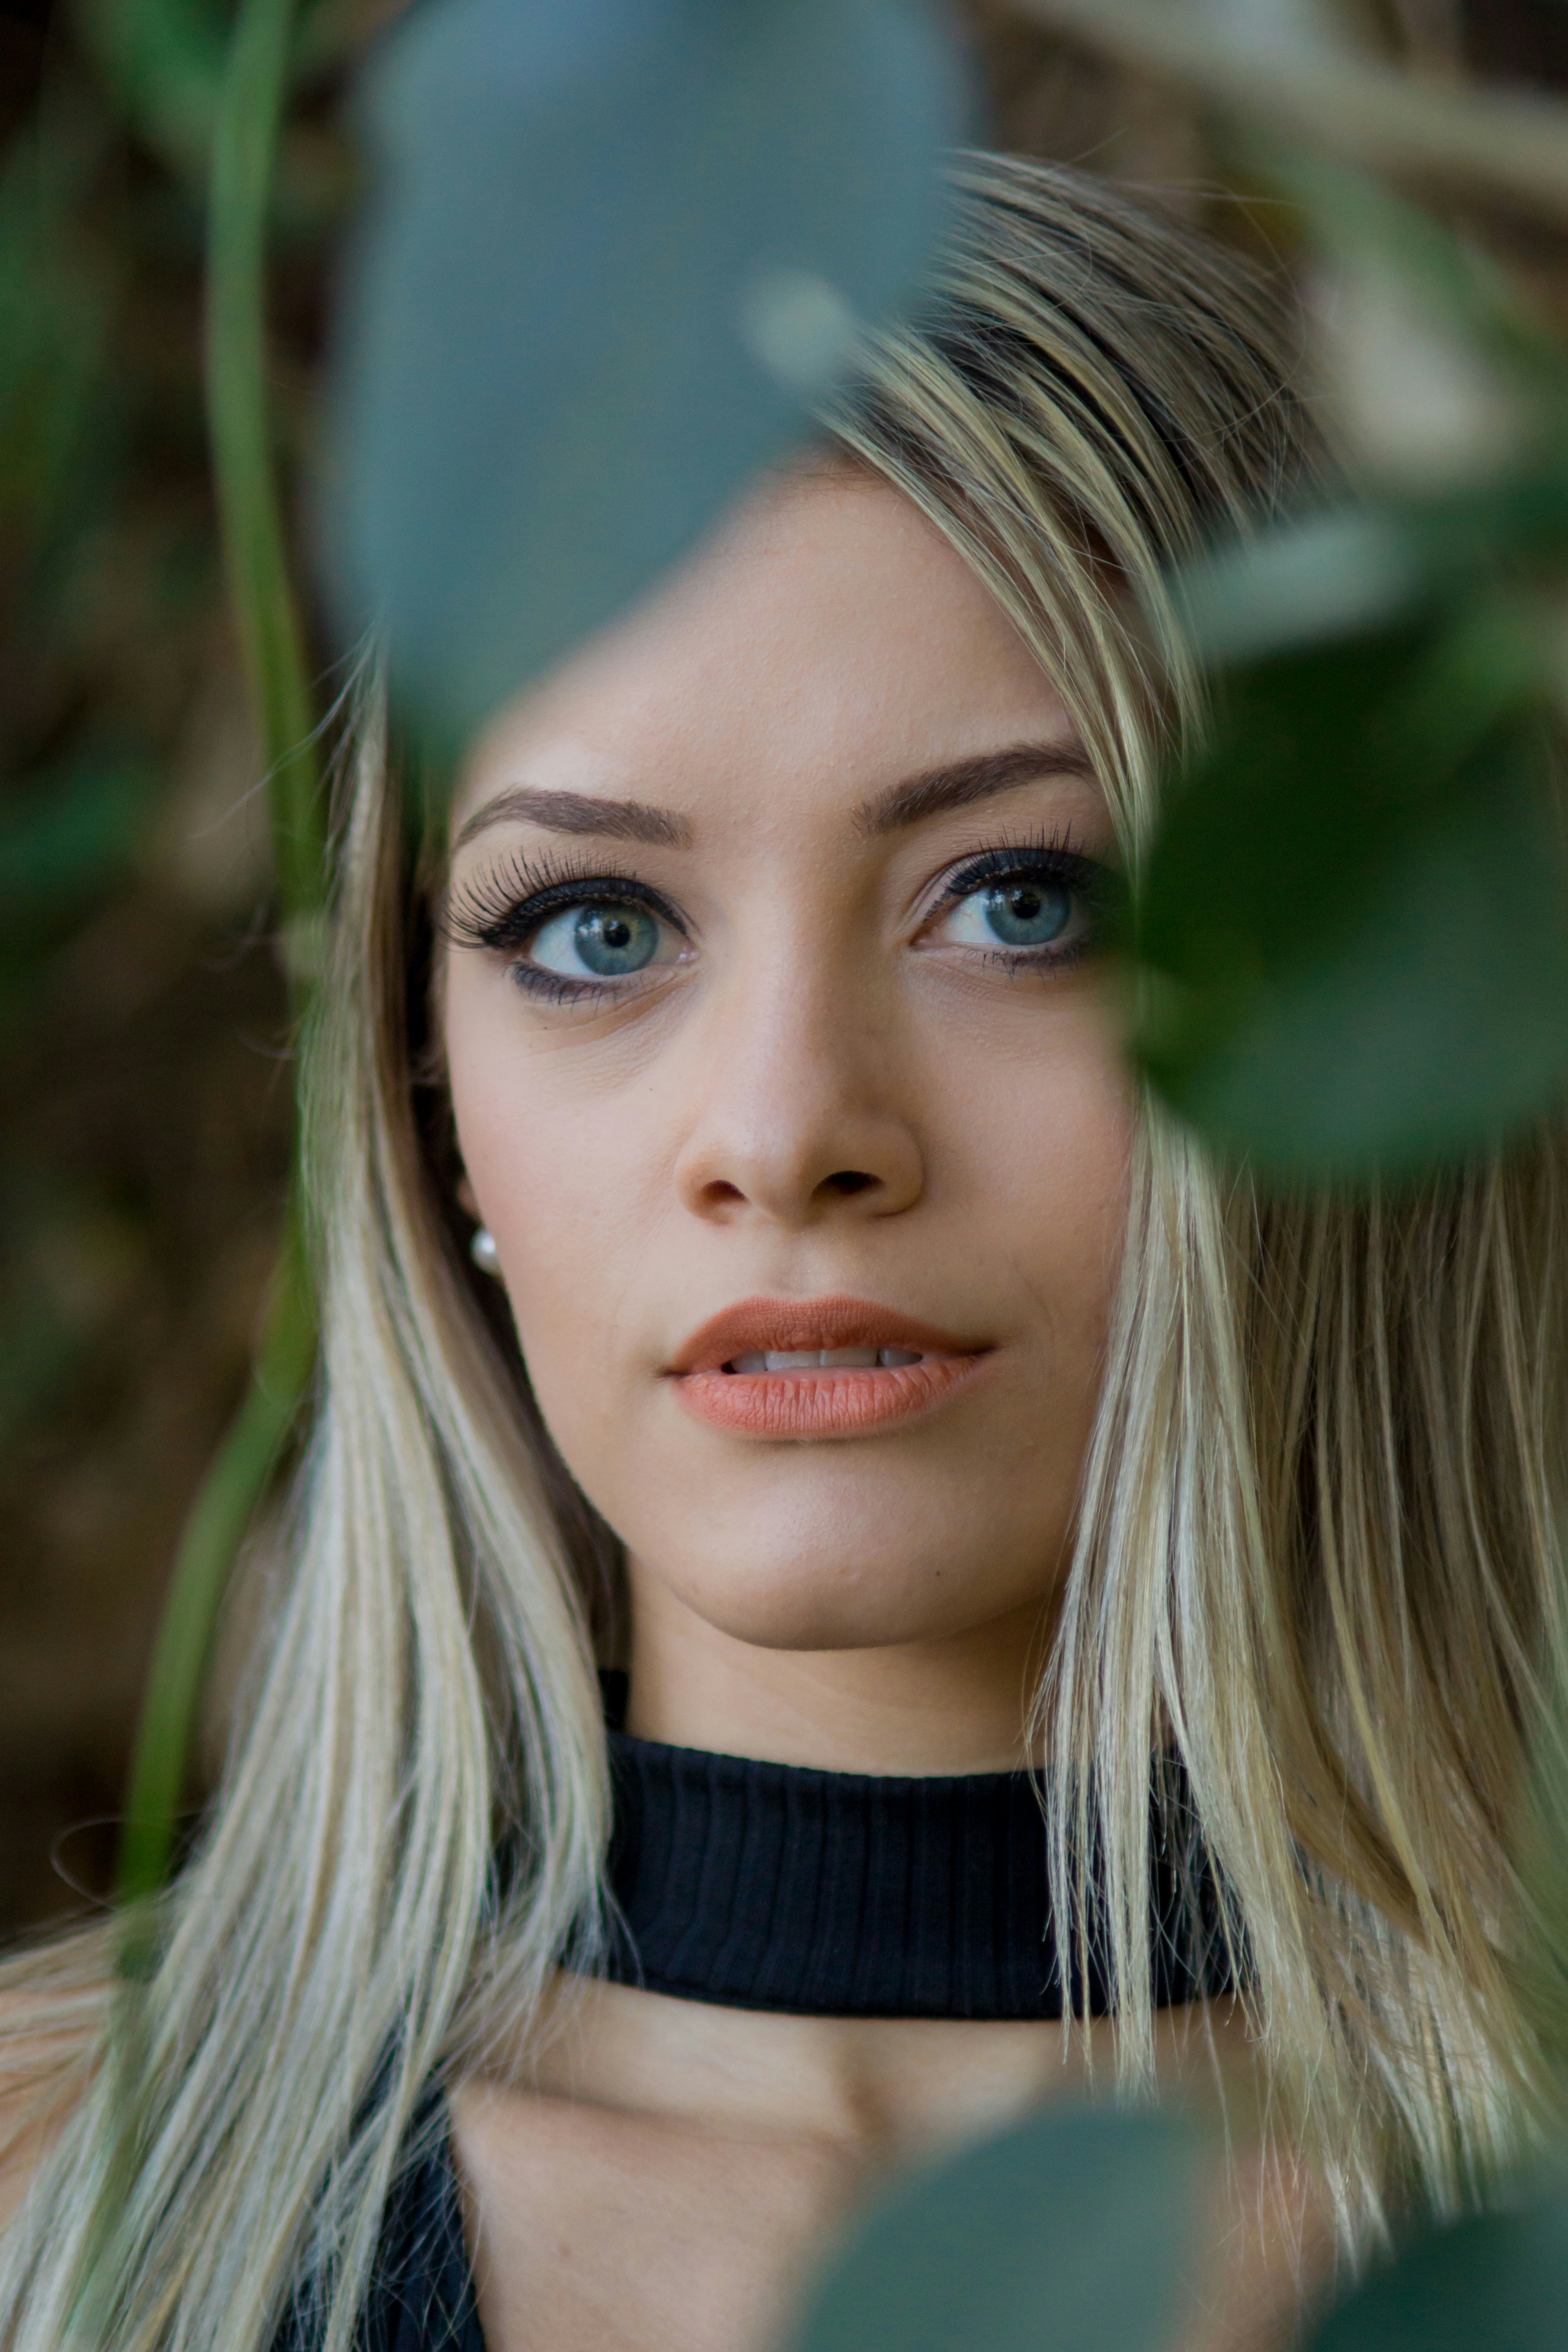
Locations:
{"points": [[52, 2008]]}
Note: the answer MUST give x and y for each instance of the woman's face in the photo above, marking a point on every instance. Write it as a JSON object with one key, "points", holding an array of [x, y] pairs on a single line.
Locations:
{"points": [[775, 1029]]}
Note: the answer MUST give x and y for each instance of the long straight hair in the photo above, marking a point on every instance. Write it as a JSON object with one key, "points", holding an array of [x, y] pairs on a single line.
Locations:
{"points": [[1316, 1557]]}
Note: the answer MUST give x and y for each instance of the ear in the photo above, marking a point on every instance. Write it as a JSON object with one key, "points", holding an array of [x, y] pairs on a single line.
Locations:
{"points": [[466, 1199]]}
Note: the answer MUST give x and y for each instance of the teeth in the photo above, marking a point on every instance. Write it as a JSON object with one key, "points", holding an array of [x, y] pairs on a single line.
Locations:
{"points": [[823, 1359]]}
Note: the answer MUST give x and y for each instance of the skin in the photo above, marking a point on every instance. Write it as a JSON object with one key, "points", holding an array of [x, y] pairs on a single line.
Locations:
{"points": [[828, 1095], [826, 1087]]}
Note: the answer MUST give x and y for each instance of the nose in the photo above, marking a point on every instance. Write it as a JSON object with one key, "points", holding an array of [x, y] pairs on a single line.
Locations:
{"points": [[799, 1117]]}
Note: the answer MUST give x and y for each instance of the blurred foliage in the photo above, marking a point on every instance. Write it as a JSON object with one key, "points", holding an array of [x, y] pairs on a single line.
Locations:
{"points": [[144, 1133], [1351, 935], [145, 1110], [710, 202], [1354, 928], [1005, 2245], [1350, 942], [1496, 2282]]}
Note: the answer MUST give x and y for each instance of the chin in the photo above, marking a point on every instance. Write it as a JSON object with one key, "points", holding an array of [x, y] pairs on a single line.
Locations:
{"points": [[829, 1596]]}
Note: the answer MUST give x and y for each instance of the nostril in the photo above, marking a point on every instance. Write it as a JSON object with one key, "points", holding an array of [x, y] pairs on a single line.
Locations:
{"points": [[848, 1179]]}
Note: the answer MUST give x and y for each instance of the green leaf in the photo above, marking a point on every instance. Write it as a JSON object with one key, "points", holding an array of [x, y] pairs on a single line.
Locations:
{"points": [[1355, 570], [1498, 2282], [1329, 575], [56, 303], [1354, 929], [164, 60], [67, 834], [1072, 2232], [614, 251]]}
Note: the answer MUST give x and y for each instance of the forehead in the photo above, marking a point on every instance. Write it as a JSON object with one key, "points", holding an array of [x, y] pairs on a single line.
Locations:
{"points": [[827, 640]]}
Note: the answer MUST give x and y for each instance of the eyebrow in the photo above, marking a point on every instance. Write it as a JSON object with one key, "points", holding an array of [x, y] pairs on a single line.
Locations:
{"points": [[580, 812], [956, 784], [931, 793]]}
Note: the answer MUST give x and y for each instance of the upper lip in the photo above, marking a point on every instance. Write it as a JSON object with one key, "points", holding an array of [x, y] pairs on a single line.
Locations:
{"points": [[759, 1324]]}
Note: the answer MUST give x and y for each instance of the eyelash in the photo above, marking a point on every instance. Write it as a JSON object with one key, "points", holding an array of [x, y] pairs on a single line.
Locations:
{"points": [[502, 912], [1054, 854]]}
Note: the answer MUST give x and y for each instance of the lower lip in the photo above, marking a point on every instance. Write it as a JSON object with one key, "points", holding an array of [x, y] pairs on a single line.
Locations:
{"points": [[824, 1403]]}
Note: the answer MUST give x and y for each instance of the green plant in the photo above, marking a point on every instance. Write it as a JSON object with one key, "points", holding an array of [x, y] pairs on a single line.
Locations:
{"points": [[249, 105], [1349, 950], [711, 216]]}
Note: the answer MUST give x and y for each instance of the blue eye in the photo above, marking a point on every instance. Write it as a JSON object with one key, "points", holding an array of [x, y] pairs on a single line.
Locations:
{"points": [[601, 941], [1018, 911]]}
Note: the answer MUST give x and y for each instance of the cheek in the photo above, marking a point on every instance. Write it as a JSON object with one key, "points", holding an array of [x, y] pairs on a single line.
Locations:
{"points": [[1025, 1126], [1044, 1145], [562, 1171]]}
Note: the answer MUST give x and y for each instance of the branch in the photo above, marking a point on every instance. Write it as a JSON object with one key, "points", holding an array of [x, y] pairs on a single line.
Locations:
{"points": [[1496, 144]]}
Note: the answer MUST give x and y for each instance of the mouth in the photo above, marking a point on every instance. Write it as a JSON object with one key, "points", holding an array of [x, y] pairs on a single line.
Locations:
{"points": [[796, 1367]]}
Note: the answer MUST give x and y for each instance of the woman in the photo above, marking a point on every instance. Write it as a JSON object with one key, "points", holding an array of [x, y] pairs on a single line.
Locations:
{"points": [[906, 1405]]}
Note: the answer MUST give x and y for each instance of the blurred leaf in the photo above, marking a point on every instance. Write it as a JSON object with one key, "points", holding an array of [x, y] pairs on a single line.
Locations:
{"points": [[1328, 575], [614, 250], [57, 301], [163, 59], [1344, 571], [1353, 929], [1453, 276], [1072, 2232], [63, 838], [1498, 2282]]}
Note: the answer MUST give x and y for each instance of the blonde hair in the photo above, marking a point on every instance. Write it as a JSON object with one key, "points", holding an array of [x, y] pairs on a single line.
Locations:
{"points": [[1316, 1557]]}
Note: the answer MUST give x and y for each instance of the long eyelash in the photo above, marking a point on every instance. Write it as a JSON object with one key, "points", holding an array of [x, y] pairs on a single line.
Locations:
{"points": [[505, 906], [1057, 853]]}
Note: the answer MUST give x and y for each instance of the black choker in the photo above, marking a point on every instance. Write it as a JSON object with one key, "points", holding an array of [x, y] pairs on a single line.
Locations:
{"points": [[845, 1894]]}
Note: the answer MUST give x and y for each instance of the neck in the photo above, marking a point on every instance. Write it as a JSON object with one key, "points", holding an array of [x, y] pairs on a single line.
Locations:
{"points": [[944, 1703]]}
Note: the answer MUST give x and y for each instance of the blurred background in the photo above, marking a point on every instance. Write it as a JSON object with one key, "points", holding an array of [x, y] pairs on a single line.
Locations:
{"points": [[144, 1101]]}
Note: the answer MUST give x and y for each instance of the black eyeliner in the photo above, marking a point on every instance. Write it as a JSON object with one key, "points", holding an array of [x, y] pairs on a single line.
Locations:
{"points": [[1048, 854], [501, 911]]}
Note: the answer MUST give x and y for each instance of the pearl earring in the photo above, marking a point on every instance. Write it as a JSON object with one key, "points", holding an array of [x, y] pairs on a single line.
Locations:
{"points": [[483, 1251]]}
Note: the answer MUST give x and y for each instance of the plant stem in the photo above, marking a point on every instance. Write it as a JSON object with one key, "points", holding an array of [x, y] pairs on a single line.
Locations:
{"points": [[214, 1532], [238, 421], [272, 642], [213, 1535]]}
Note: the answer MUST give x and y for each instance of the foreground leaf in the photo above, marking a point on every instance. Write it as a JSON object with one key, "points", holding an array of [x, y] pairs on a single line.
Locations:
{"points": [[613, 250], [1353, 931], [162, 61], [1495, 2284], [1069, 2233]]}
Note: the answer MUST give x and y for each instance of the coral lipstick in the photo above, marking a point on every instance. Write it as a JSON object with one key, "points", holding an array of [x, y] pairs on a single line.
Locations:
{"points": [[786, 1368]]}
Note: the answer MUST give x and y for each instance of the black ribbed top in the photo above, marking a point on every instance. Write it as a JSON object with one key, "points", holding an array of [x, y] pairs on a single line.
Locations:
{"points": [[828, 1894], [763, 1886]]}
